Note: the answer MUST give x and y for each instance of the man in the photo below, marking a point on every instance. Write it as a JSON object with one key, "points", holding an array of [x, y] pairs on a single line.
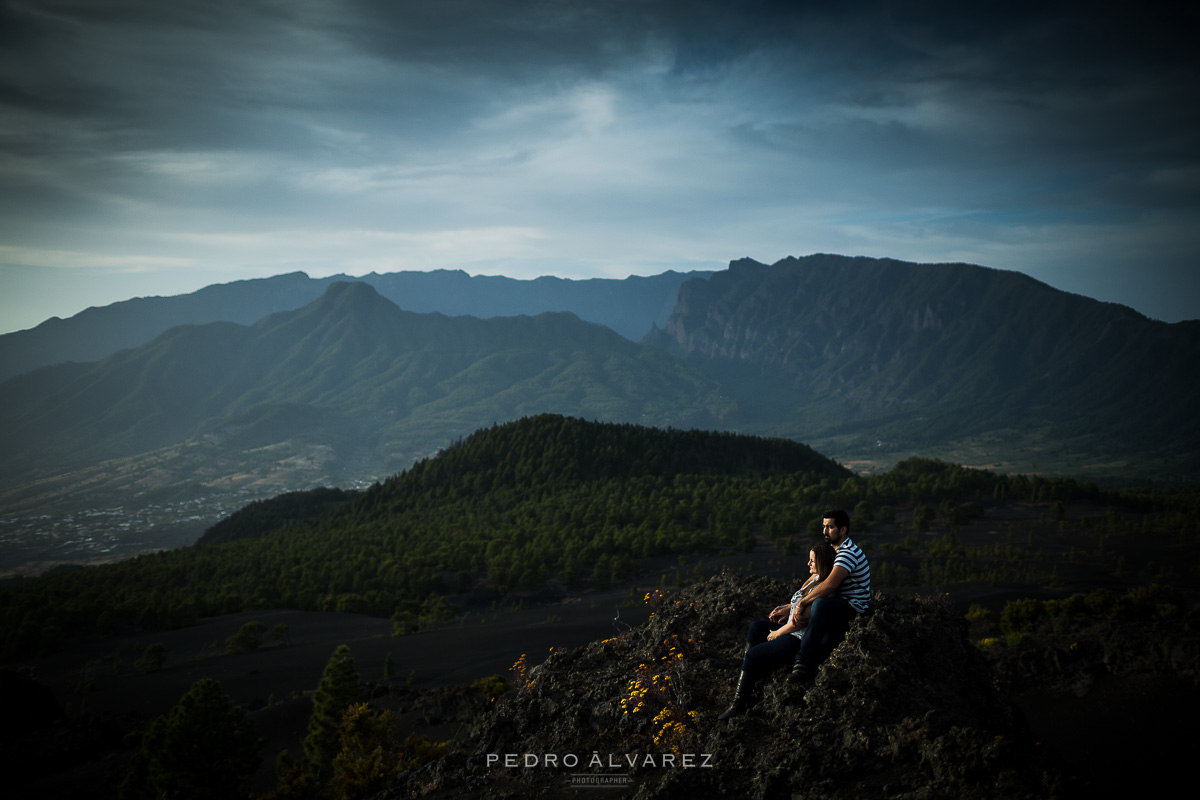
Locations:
{"points": [[836, 601]]}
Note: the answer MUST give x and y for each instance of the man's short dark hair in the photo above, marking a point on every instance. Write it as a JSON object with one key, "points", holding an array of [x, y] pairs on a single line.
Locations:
{"points": [[840, 518]]}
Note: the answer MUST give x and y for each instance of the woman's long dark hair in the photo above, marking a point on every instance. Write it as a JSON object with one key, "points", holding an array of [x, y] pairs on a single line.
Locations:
{"points": [[823, 556]]}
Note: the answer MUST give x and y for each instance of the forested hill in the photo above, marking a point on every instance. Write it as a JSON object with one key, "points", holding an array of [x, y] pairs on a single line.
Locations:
{"points": [[266, 515], [542, 502], [545, 506], [534, 456], [550, 451]]}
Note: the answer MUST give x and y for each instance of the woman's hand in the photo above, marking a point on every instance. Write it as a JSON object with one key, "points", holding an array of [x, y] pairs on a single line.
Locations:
{"points": [[772, 636]]}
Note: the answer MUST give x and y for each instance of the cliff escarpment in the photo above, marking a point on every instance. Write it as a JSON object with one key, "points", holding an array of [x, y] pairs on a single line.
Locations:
{"points": [[829, 345]]}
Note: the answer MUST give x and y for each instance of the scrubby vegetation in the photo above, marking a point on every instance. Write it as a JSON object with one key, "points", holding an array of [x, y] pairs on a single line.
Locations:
{"points": [[1144, 637], [353, 750]]}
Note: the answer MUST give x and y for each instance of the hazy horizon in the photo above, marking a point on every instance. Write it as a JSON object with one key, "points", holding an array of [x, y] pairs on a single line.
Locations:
{"points": [[114, 287]]}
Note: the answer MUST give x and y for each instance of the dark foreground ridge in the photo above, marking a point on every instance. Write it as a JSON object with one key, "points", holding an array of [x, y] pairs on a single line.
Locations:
{"points": [[905, 707]]}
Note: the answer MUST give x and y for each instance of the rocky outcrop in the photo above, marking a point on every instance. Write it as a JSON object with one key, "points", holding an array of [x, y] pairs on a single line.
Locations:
{"points": [[905, 707]]}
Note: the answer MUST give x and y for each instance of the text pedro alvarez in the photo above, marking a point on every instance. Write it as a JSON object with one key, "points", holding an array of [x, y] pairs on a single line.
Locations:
{"points": [[614, 761]]}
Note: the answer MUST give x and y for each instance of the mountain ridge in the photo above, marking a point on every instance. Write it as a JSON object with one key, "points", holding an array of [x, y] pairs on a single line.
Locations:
{"points": [[869, 360], [356, 372], [629, 306]]}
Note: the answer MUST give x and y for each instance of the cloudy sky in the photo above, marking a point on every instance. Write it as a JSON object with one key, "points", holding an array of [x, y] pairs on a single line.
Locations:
{"points": [[156, 146]]}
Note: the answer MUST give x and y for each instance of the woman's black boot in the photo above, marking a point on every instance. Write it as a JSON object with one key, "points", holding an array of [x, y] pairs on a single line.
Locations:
{"points": [[741, 697]]}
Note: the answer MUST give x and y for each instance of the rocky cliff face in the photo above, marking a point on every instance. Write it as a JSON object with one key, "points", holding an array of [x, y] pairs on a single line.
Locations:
{"points": [[905, 707], [829, 345], [885, 331]]}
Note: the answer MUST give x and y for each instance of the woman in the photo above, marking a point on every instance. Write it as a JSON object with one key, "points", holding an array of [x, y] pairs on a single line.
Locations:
{"points": [[772, 643]]}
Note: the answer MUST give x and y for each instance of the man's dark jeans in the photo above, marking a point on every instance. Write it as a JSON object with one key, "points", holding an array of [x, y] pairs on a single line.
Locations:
{"points": [[830, 619]]}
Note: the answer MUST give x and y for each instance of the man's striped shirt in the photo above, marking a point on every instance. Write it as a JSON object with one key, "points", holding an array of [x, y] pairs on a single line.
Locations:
{"points": [[856, 587]]}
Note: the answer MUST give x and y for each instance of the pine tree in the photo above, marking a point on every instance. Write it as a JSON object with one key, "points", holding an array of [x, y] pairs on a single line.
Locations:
{"points": [[338, 689], [248, 638], [153, 658], [204, 748]]}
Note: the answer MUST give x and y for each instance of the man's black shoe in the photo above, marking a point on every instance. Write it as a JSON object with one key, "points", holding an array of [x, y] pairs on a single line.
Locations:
{"points": [[801, 675]]}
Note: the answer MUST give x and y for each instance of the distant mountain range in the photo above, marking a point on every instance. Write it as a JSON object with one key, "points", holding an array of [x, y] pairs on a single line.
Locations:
{"points": [[349, 385], [629, 306], [869, 360]]}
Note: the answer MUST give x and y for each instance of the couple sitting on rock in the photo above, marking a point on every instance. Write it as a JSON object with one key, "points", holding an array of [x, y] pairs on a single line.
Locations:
{"points": [[804, 632]]}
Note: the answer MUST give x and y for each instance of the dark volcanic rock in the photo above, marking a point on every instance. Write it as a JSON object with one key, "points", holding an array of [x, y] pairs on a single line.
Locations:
{"points": [[1067, 654], [1078, 671], [905, 707]]}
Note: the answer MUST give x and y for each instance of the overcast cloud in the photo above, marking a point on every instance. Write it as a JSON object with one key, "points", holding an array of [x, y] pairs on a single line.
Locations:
{"points": [[152, 147]]}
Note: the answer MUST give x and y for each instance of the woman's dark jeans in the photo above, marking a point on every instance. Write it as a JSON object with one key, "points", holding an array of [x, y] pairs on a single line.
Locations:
{"points": [[765, 657]]}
